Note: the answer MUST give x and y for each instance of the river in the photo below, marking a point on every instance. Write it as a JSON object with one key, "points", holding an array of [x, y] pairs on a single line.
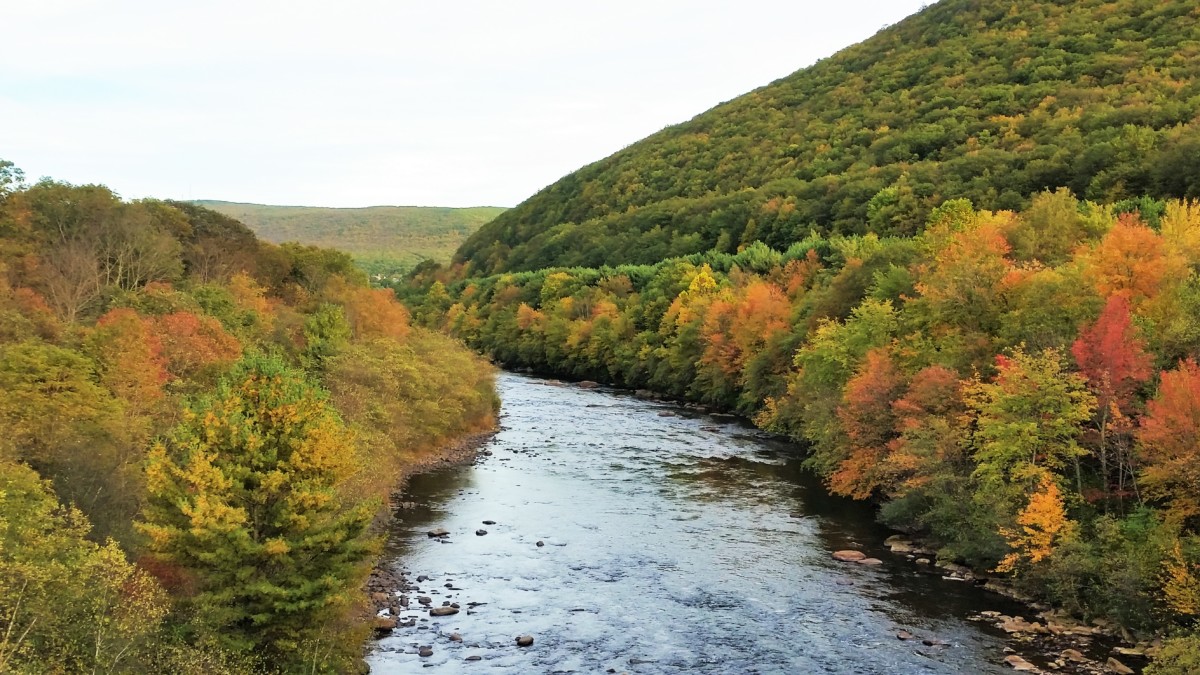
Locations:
{"points": [[673, 542]]}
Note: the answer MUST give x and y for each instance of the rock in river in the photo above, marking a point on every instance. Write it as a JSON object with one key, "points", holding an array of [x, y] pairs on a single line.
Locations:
{"points": [[541, 543], [489, 522], [480, 533], [849, 556], [443, 611], [1118, 667], [525, 641], [425, 651], [1019, 664], [438, 532]]}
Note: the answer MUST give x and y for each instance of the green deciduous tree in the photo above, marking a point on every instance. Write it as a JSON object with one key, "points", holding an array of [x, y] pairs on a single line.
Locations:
{"points": [[67, 605], [1028, 418]]}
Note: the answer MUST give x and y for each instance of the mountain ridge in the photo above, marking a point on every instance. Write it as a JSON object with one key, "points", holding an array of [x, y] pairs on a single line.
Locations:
{"points": [[385, 240], [975, 99]]}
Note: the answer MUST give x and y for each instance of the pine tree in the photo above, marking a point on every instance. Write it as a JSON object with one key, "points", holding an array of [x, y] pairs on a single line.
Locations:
{"points": [[244, 497]]}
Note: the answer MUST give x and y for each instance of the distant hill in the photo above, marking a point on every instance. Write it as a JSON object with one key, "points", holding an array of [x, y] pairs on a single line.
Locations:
{"points": [[384, 239], [991, 100]]}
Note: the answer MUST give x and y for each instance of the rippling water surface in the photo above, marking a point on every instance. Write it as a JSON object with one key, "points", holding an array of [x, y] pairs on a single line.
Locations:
{"points": [[679, 543]]}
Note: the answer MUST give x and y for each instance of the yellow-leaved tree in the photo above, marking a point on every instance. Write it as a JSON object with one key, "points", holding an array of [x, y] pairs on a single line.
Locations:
{"points": [[1041, 526]]}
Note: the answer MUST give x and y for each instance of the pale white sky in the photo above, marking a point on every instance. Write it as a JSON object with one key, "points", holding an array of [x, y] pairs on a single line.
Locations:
{"points": [[357, 102]]}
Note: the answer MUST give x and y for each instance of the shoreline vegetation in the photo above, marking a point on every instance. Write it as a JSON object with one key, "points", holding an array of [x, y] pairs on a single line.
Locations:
{"points": [[199, 434], [1014, 387]]}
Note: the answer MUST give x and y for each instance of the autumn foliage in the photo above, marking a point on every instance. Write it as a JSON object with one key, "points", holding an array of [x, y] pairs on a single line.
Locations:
{"points": [[160, 365], [995, 382]]}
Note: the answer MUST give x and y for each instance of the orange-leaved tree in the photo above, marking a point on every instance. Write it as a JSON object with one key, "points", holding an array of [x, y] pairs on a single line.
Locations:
{"points": [[1169, 438]]}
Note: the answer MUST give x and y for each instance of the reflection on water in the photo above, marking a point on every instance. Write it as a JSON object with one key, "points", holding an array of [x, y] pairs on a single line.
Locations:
{"points": [[672, 544]]}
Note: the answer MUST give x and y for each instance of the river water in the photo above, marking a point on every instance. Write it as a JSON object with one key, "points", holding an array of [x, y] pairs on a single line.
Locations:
{"points": [[673, 542]]}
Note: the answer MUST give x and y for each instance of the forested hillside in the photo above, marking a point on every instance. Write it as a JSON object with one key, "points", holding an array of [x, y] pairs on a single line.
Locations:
{"points": [[197, 431], [988, 100], [383, 240]]}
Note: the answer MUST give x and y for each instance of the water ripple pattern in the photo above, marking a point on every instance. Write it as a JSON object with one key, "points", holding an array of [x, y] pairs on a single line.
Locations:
{"points": [[674, 542]]}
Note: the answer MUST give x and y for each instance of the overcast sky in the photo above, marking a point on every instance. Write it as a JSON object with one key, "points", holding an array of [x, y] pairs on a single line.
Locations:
{"points": [[357, 103]]}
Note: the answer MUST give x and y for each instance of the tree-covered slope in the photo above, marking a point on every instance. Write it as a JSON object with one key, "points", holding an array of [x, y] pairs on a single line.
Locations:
{"points": [[991, 100], [383, 239]]}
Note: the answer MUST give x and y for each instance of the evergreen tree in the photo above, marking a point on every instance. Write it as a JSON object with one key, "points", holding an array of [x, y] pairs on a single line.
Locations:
{"points": [[243, 496]]}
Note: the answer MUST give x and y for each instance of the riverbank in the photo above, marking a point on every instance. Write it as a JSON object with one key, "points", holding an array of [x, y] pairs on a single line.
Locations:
{"points": [[385, 586]]}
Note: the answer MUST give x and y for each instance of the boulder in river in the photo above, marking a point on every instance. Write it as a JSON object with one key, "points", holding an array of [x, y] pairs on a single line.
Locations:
{"points": [[384, 623], [588, 384], [474, 657], [904, 635], [456, 637], [443, 611], [869, 561], [1074, 655], [424, 599], [480, 533], [438, 532], [1019, 664], [425, 651], [525, 641], [541, 543], [849, 556], [489, 522], [1118, 667]]}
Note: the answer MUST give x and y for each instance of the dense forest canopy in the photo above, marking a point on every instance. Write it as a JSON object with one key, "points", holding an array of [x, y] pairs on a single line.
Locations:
{"points": [[988, 100], [383, 240], [198, 431]]}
